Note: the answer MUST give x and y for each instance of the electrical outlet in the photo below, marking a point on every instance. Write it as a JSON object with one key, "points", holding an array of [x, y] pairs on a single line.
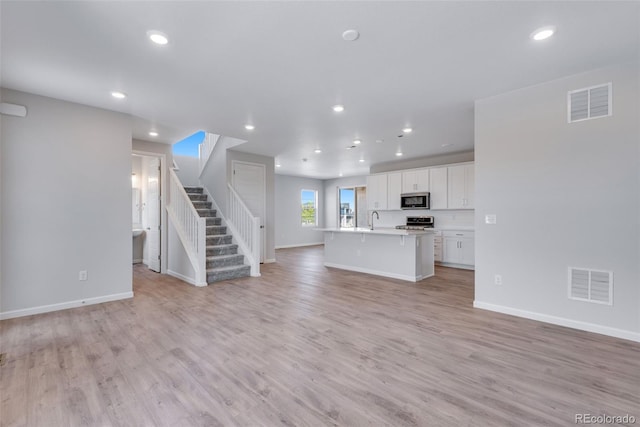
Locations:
{"points": [[497, 279], [82, 275]]}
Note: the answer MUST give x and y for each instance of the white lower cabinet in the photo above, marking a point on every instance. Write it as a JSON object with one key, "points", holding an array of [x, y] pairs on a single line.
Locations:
{"points": [[458, 247], [437, 246]]}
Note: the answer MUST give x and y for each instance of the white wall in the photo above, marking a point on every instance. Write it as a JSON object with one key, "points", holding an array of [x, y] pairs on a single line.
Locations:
{"points": [[66, 205], [442, 219], [423, 162], [289, 231], [331, 196], [179, 263], [214, 175], [564, 195], [188, 170]]}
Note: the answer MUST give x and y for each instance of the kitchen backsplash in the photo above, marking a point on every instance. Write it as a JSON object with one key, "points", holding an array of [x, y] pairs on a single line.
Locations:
{"points": [[463, 218]]}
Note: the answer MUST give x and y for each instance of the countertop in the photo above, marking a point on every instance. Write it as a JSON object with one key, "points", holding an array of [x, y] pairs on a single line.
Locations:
{"points": [[380, 230], [455, 228]]}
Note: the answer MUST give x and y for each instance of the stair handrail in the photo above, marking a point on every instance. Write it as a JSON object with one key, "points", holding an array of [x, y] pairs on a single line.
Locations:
{"points": [[190, 227], [245, 227], [206, 148]]}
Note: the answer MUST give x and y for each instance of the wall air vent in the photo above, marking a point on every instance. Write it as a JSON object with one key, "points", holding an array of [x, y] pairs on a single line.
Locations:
{"points": [[589, 103], [591, 285]]}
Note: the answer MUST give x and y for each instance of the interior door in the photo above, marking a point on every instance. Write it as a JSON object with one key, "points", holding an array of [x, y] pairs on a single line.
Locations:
{"points": [[249, 180], [153, 213]]}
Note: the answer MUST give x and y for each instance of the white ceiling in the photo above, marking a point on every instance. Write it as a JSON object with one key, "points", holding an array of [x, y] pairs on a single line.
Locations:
{"points": [[282, 65]]}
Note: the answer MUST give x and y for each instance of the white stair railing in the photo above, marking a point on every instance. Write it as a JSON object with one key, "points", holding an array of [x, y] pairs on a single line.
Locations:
{"points": [[206, 148], [191, 228], [245, 228]]}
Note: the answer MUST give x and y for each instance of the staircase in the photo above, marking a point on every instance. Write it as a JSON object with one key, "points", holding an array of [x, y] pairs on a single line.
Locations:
{"points": [[223, 260]]}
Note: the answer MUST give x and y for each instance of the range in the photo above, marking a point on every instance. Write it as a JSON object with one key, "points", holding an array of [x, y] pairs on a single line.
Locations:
{"points": [[417, 223]]}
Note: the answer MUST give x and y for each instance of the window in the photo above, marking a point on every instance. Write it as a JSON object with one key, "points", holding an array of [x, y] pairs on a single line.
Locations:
{"points": [[352, 207], [309, 212]]}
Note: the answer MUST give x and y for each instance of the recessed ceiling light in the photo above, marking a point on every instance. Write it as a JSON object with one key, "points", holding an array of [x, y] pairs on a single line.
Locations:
{"points": [[350, 35], [278, 165], [153, 133], [317, 151], [338, 108], [357, 141], [407, 130], [379, 141], [249, 127], [543, 33], [361, 160], [399, 153], [446, 145], [158, 37], [340, 174], [118, 95]]}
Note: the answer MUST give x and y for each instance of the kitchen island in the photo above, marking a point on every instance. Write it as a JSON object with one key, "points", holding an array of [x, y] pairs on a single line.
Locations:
{"points": [[399, 254]]}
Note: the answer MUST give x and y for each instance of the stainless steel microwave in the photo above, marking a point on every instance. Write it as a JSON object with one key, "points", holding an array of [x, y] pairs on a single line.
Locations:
{"points": [[415, 200]]}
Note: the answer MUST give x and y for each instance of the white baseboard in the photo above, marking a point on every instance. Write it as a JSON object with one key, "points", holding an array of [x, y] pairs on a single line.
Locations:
{"points": [[561, 321], [299, 245], [375, 272], [452, 265], [189, 280], [137, 261], [63, 305], [269, 261]]}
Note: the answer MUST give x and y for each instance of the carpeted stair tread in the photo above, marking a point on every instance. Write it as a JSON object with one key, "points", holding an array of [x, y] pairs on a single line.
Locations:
{"points": [[197, 197], [209, 213], [228, 256], [227, 273], [218, 261], [224, 249], [228, 268], [193, 190], [216, 230]]}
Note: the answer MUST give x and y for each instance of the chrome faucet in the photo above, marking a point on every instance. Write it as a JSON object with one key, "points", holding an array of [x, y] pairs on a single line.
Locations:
{"points": [[377, 216]]}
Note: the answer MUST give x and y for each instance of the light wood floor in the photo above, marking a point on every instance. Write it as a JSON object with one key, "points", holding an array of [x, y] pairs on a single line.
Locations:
{"points": [[304, 345]]}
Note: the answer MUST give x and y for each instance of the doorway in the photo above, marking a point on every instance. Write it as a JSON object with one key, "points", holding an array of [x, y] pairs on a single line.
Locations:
{"points": [[146, 189], [249, 181], [352, 207]]}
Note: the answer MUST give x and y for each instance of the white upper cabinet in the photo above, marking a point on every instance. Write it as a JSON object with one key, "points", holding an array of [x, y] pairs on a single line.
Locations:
{"points": [[438, 188], [451, 187], [461, 186], [377, 192], [394, 189], [414, 181]]}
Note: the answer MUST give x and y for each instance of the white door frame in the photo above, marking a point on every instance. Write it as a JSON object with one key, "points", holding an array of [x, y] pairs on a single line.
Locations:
{"points": [[263, 234], [164, 229]]}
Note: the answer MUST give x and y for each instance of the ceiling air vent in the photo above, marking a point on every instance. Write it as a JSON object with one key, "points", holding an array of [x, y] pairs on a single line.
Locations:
{"points": [[591, 285], [589, 103]]}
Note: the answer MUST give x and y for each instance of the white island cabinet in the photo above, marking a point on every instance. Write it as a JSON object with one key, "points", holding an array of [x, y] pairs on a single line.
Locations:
{"points": [[400, 254]]}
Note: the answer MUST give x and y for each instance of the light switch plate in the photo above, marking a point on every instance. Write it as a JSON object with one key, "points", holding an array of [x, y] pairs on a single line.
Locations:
{"points": [[490, 219]]}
